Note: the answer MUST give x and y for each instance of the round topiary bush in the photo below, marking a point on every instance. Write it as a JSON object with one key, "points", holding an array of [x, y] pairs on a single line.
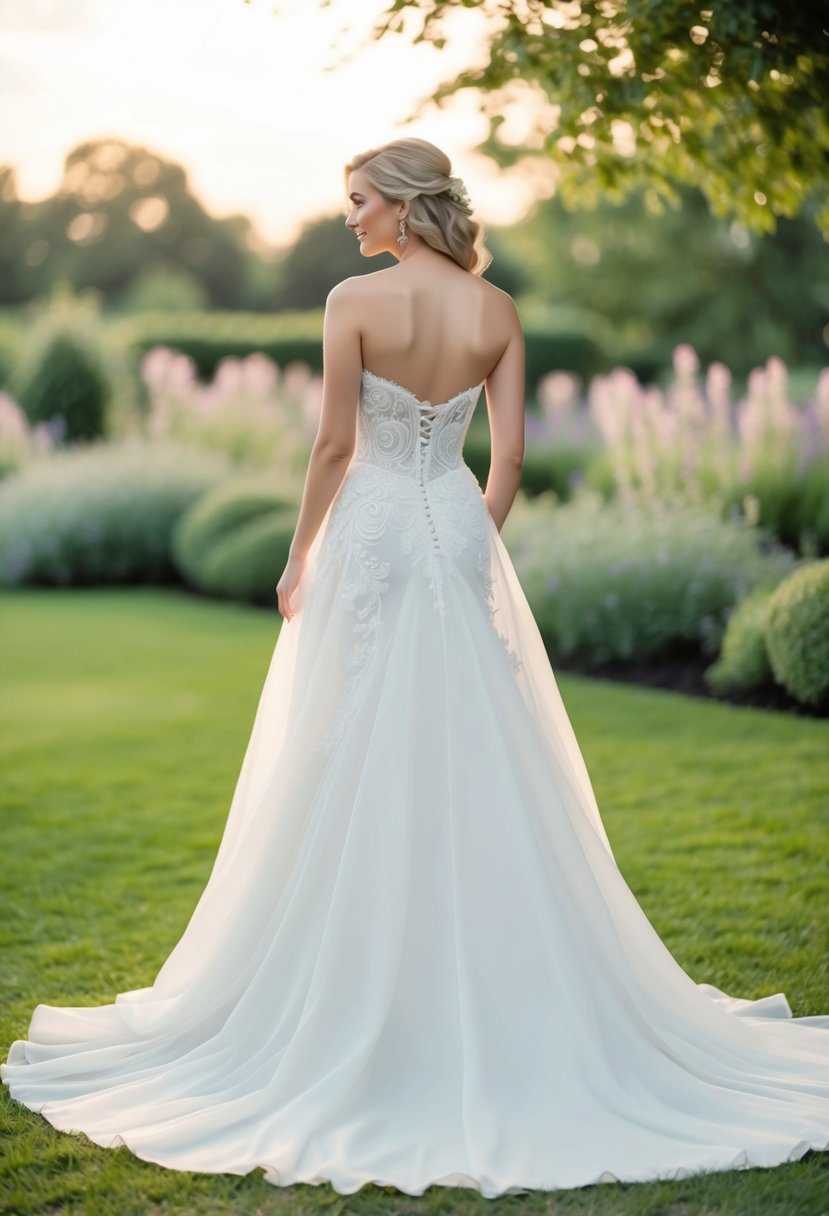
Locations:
{"points": [[67, 383], [234, 541], [246, 564], [797, 633], [743, 662]]}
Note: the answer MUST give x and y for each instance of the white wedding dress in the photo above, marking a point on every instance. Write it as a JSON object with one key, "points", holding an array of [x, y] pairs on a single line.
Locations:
{"points": [[415, 961]]}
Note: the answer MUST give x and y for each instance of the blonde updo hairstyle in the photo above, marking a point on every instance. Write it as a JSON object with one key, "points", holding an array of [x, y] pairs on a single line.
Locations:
{"points": [[417, 171]]}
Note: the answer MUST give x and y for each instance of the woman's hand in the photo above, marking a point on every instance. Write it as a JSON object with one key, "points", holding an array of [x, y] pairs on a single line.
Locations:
{"points": [[288, 583]]}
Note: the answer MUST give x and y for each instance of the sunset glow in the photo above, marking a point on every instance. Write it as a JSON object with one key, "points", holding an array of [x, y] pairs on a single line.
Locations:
{"points": [[261, 108]]}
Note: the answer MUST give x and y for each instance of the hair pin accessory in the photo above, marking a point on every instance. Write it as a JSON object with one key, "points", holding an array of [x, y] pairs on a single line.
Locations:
{"points": [[457, 192]]}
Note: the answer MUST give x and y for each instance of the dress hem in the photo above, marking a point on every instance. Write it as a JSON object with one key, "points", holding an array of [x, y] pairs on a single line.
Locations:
{"points": [[790, 1152]]}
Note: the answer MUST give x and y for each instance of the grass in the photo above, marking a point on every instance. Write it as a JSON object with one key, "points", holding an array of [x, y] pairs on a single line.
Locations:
{"points": [[123, 722]]}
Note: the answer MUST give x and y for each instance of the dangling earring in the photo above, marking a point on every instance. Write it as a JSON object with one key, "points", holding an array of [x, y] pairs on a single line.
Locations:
{"points": [[401, 240]]}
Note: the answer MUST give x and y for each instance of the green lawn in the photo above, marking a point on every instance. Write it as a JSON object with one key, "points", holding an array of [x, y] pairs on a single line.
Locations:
{"points": [[123, 722]]}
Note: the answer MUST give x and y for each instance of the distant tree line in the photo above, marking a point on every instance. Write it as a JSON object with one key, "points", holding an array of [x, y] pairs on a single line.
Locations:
{"points": [[125, 222]]}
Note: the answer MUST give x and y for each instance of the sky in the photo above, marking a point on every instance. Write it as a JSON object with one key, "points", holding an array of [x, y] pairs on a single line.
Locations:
{"points": [[262, 103]]}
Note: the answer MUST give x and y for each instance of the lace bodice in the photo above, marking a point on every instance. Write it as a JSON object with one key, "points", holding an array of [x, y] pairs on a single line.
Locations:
{"points": [[401, 433]]}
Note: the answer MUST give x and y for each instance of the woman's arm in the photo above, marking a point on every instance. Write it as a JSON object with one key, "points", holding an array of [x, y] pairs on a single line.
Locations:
{"points": [[505, 400], [334, 443]]}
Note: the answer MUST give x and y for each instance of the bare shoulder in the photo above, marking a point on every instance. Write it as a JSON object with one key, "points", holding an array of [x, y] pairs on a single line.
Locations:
{"points": [[345, 290], [499, 316], [501, 302], [359, 289]]}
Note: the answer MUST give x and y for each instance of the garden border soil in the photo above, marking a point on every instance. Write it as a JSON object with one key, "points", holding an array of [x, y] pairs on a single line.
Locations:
{"points": [[686, 675]]}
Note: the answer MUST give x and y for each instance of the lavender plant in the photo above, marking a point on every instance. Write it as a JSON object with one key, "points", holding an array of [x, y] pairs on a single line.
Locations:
{"points": [[104, 514], [628, 580]]}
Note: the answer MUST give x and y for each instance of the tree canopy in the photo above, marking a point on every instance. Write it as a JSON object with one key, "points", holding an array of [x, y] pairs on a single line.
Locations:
{"points": [[729, 96], [640, 285], [121, 220]]}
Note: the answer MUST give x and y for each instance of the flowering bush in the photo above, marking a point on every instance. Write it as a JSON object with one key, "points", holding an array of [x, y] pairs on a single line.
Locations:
{"points": [[253, 410], [103, 514], [690, 445], [628, 581]]}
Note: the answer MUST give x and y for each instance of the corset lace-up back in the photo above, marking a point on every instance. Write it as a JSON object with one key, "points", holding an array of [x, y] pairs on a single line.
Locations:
{"points": [[401, 433]]}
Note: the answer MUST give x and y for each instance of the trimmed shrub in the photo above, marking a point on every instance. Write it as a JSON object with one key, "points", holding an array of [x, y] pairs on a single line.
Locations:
{"points": [[102, 514], [69, 373], [548, 350], [68, 382], [743, 663], [232, 541], [246, 563], [546, 467], [560, 469], [208, 337], [613, 582], [797, 634], [211, 336]]}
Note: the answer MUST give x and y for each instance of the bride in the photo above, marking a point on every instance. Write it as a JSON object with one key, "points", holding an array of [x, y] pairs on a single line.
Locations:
{"points": [[415, 961]]}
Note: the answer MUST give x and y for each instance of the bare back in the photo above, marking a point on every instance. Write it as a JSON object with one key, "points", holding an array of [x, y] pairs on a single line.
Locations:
{"points": [[431, 326]]}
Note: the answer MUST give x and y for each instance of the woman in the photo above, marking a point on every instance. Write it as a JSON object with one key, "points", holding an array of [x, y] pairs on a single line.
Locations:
{"points": [[415, 961]]}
